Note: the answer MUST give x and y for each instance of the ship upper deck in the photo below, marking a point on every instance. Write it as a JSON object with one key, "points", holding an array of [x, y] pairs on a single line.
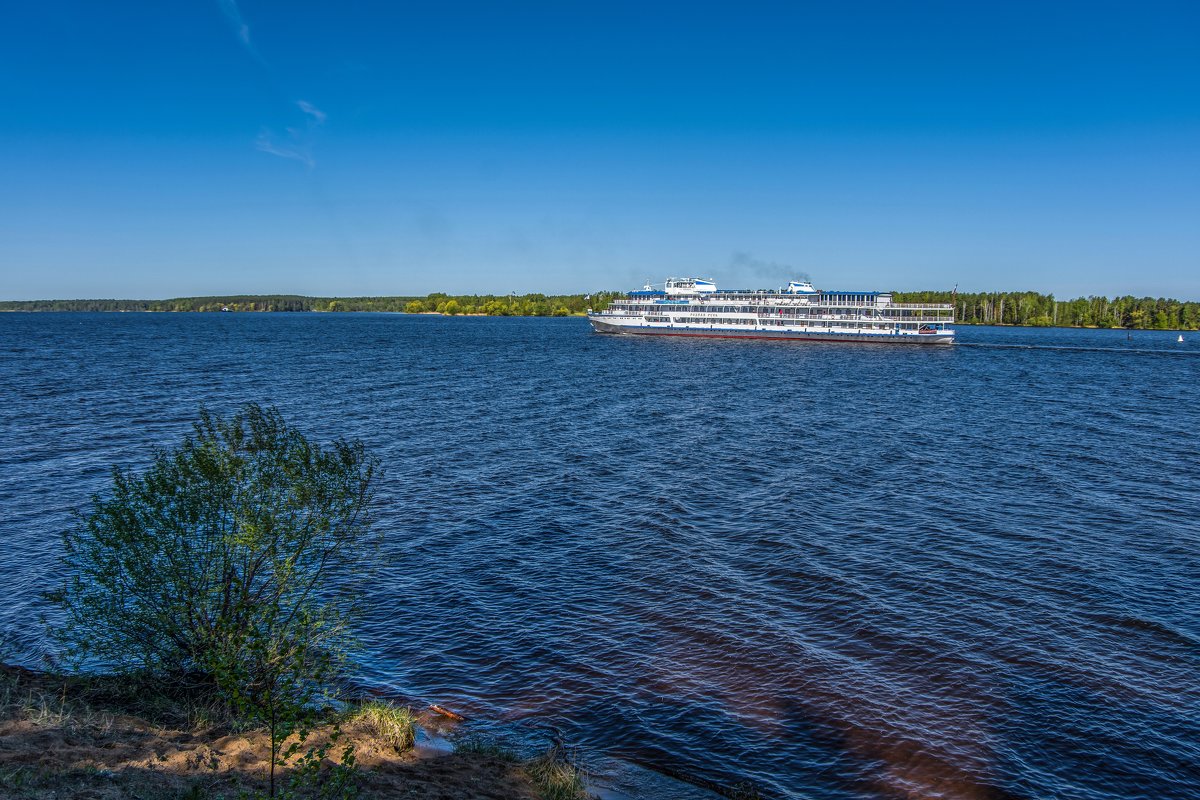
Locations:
{"points": [[690, 298], [778, 298]]}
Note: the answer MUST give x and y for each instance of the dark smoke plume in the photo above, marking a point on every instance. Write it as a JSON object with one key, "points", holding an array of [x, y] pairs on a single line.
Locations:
{"points": [[745, 264]]}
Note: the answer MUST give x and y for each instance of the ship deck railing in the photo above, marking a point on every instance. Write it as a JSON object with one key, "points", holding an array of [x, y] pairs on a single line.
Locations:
{"points": [[883, 319], [797, 321], [885, 311], [786, 301]]}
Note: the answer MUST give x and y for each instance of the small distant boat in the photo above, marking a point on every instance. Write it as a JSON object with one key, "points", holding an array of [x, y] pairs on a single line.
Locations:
{"points": [[1180, 339], [225, 309]]}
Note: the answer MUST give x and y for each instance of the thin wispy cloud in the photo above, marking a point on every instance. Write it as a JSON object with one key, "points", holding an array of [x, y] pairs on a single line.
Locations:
{"points": [[234, 15], [318, 116], [267, 142], [297, 144], [241, 30]]}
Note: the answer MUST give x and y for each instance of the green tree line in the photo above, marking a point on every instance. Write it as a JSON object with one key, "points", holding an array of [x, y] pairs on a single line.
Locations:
{"points": [[526, 305], [1035, 309], [982, 308]]}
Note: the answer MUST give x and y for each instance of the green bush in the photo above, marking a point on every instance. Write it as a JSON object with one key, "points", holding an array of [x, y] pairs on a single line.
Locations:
{"points": [[230, 565], [236, 531]]}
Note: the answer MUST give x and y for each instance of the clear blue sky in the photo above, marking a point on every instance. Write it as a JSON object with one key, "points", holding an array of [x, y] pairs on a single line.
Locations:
{"points": [[166, 148]]}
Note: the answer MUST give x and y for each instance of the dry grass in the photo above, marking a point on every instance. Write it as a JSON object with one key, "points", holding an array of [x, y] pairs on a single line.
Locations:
{"points": [[392, 725], [35, 703], [62, 738], [558, 776]]}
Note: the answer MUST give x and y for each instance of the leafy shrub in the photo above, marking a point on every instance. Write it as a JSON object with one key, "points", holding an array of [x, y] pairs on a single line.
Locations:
{"points": [[235, 532], [216, 567]]}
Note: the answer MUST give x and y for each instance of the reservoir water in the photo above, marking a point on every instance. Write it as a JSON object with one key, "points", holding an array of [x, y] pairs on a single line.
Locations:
{"points": [[824, 570]]}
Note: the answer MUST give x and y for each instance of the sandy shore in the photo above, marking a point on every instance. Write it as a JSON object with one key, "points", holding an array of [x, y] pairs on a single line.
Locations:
{"points": [[59, 739]]}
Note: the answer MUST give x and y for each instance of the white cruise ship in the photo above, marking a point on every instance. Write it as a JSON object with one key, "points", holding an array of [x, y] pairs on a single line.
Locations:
{"points": [[696, 307]]}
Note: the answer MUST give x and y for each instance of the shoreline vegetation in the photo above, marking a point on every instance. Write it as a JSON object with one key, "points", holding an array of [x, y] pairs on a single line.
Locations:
{"points": [[526, 305], [203, 639], [1028, 309], [106, 737]]}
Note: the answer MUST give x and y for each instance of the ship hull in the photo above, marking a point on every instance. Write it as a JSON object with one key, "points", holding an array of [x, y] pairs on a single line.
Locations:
{"points": [[720, 332]]}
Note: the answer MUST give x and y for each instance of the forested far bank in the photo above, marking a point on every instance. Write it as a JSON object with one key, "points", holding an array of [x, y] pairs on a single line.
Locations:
{"points": [[1044, 310], [525, 305], [972, 308]]}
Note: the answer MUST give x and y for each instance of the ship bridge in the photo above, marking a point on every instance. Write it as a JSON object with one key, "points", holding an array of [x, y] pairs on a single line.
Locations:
{"points": [[690, 286]]}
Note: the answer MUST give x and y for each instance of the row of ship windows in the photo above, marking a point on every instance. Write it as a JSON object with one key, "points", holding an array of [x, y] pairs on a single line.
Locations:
{"points": [[813, 323], [788, 319], [701, 320], [638, 310]]}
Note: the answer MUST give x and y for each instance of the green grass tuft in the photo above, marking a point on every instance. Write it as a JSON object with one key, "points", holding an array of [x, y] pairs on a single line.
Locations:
{"points": [[394, 725], [558, 776]]}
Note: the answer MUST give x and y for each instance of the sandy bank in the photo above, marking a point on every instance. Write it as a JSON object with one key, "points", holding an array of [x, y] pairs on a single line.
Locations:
{"points": [[62, 738]]}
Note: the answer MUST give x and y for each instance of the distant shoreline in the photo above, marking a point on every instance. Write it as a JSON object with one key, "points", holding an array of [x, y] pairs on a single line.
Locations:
{"points": [[1014, 309], [576, 315], [527, 305]]}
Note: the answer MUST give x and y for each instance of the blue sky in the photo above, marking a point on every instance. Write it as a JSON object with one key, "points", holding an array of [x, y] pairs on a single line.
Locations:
{"points": [[156, 149]]}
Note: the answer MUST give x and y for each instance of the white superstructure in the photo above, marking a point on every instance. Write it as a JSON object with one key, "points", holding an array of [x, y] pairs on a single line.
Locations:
{"points": [[696, 307]]}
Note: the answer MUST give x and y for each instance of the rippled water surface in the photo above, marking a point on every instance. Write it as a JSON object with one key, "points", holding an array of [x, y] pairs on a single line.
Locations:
{"points": [[829, 570]]}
